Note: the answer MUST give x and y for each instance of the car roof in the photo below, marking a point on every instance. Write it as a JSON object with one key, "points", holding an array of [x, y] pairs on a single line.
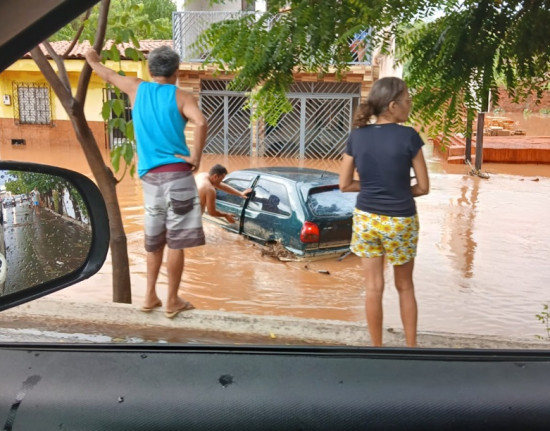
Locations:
{"points": [[297, 175]]}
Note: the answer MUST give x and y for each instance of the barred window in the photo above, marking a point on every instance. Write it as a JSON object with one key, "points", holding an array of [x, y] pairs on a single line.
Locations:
{"points": [[32, 103], [116, 137]]}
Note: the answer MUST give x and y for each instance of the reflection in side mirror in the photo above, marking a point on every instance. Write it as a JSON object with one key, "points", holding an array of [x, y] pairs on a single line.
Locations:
{"points": [[45, 230], [54, 230]]}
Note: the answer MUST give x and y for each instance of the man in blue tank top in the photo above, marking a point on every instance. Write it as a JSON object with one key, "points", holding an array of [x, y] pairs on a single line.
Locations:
{"points": [[173, 216]]}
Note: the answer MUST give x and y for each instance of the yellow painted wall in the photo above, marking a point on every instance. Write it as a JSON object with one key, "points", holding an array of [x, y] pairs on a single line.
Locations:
{"points": [[26, 71]]}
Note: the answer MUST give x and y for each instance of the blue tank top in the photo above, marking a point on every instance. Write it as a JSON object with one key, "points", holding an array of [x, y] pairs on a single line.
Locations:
{"points": [[158, 126]]}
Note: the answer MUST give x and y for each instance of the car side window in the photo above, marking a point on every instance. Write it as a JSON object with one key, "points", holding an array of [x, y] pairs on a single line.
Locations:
{"points": [[270, 197], [237, 184]]}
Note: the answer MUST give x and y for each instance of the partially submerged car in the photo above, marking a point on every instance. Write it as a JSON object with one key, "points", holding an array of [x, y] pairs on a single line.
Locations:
{"points": [[300, 209]]}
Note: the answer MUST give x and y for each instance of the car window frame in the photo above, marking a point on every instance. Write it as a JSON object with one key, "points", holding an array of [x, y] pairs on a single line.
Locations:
{"points": [[252, 205]]}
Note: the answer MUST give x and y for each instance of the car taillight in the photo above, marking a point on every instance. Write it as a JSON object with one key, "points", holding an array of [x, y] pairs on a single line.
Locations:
{"points": [[310, 232]]}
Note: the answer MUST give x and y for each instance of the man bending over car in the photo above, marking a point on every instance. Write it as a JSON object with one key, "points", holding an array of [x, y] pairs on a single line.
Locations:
{"points": [[207, 184], [173, 217]]}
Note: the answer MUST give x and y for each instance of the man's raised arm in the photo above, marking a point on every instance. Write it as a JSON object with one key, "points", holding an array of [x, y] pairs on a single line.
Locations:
{"points": [[127, 84]]}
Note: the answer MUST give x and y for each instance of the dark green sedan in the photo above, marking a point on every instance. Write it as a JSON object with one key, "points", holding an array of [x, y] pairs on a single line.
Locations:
{"points": [[301, 210]]}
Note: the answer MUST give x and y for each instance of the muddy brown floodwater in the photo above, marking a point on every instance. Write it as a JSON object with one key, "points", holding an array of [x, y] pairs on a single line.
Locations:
{"points": [[482, 264]]}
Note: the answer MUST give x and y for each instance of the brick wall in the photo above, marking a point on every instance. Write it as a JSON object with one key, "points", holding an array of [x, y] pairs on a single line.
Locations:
{"points": [[60, 133], [508, 105]]}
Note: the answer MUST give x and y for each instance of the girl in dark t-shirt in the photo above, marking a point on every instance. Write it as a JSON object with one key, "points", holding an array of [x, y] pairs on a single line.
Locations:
{"points": [[385, 222]]}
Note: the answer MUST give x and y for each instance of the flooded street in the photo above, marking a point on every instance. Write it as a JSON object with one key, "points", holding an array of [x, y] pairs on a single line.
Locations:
{"points": [[482, 264]]}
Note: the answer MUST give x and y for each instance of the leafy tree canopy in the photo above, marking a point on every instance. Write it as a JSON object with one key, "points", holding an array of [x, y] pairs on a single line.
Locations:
{"points": [[454, 51], [148, 19], [20, 182]]}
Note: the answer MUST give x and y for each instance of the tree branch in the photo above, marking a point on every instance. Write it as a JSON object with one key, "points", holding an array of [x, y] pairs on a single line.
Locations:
{"points": [[78, 33], [61, 70], [58, 86], [98, 44]]}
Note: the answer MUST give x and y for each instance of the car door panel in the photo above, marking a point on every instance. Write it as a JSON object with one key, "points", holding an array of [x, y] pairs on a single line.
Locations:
{"points": [[226, 202], [268, 216]]}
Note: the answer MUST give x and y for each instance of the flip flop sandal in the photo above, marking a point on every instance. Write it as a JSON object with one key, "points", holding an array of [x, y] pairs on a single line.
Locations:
{"points": [[149, 309], [186, 307]]}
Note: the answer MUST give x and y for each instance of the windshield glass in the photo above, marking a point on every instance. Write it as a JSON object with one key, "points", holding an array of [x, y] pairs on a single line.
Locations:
{"points": [[481, 274]]}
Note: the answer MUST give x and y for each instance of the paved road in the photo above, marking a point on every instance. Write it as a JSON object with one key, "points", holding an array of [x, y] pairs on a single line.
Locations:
{"points": [[36, 246]]}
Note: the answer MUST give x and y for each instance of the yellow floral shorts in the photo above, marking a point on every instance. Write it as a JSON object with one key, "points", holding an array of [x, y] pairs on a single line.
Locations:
{"points": [[375, 235]]}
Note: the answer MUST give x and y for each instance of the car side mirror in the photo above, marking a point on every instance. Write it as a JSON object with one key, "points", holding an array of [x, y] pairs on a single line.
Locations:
{"points": [[54, 231]]}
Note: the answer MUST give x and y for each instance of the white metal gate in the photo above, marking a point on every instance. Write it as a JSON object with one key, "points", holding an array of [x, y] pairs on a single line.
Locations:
{"points": [[229, 129], [317, 127]]}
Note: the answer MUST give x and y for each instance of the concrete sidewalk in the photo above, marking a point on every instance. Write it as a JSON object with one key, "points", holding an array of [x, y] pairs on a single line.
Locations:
{"points": [[235, 325]]}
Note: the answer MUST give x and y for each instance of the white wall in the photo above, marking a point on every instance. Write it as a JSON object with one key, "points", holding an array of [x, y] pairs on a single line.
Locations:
{"points": [[387, 64], [203, 5]]}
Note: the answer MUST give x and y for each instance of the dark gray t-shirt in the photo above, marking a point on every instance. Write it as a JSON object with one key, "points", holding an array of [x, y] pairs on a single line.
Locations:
{"points": [[383, 156]]}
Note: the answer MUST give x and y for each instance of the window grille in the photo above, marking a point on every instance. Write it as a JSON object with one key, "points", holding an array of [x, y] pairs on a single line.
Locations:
{"points": [[116, 137], [32, 103]]}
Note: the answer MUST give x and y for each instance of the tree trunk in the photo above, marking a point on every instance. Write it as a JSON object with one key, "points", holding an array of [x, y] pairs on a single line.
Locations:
{"points": [[107, 184], [74, 106]]}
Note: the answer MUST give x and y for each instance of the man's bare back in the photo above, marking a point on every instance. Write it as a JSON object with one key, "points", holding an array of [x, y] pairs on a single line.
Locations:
{"points": [[204, 186], [207, 183]]}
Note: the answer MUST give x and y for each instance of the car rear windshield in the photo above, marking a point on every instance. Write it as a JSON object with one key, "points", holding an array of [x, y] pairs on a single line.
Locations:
{"points": [[331, 202]]}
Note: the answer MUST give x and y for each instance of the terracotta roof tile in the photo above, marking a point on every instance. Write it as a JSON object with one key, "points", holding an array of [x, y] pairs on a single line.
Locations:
{"points": [[80, 48]]}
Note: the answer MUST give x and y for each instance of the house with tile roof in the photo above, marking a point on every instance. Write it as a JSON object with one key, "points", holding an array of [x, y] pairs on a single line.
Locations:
{"points": [[29, 110]]}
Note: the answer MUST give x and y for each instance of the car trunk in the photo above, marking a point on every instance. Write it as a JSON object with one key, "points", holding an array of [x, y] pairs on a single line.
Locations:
{"points": [[332, 211], [336, 233]]}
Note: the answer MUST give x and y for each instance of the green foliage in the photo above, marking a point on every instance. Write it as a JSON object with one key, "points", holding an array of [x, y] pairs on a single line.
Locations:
{"points": [[454, 52], [265, 49], [455, 61], [20, 182], [544, 318], [147, 19]]}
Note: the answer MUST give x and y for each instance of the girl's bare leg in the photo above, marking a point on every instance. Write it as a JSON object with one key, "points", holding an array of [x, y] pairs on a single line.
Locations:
{"points": [[374, 282], [407, 302]]}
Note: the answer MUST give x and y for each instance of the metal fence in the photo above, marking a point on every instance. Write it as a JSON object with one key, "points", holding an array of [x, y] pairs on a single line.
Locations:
{"points": [[188, 25], [318, 125]]}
